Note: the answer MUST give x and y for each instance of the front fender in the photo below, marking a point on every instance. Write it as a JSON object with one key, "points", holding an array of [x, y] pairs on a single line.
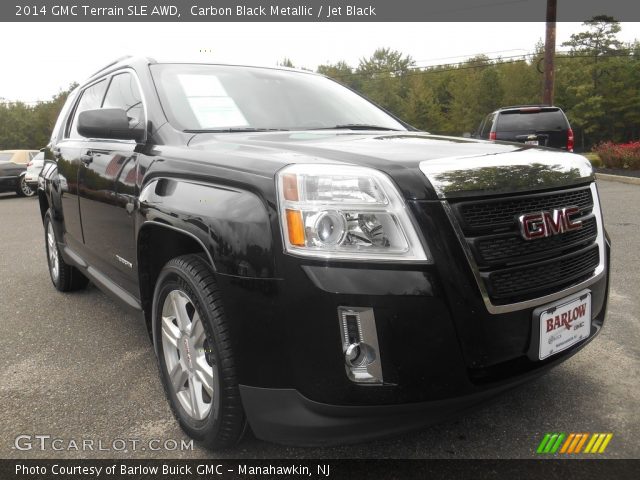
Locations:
{"points": [[232, 224], [49, 194]]}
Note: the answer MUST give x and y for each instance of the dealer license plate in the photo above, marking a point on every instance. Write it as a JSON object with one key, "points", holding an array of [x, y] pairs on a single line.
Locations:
{"points": [[564, 324]]}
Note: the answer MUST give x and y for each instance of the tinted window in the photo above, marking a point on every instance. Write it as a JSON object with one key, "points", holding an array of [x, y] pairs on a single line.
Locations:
{"points": [[537, 120], [202, 97], [90, 100], [124, 93], [62, 117], [488, 123]]}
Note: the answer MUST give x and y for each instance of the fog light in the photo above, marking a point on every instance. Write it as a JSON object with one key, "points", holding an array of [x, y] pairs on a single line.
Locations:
{"points": [[353, 355], [360, 344]]}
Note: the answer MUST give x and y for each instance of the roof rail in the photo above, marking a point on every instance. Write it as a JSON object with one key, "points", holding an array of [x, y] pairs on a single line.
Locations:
{"points": [[117, 60], [525, 106]]}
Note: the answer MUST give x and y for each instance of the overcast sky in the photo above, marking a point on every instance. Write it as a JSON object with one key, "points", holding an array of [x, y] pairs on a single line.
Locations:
{"points": [[40, 59]]}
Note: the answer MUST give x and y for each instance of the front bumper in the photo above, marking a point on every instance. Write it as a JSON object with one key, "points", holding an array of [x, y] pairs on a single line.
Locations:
{"points": [[436, 364], [441, 349], [287, 417]]}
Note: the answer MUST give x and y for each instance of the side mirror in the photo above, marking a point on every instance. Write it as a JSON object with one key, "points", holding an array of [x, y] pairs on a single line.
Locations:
{"points": [[108, 123]]}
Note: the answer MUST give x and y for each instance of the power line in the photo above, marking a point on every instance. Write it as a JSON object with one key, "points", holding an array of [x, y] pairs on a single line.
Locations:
{"points": [[469, 55], [489, 62], [428, 69]]}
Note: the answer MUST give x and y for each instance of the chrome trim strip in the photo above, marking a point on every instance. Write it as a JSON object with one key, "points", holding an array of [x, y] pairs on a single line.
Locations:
{"points": [[527, 170], [497, 309]]}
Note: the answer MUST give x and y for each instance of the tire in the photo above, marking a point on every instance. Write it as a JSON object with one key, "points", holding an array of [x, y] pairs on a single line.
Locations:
{"points": [[65, 278], [193, 346], [24, 190]]}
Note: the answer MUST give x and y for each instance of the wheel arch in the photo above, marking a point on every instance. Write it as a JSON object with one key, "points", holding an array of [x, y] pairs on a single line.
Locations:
{"points": [[157, 244], [43, 202], [229, 225]]}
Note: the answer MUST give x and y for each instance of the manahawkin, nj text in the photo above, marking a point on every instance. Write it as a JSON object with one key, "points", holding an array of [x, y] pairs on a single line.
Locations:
{"points": [[209, 10], [95, 471]]}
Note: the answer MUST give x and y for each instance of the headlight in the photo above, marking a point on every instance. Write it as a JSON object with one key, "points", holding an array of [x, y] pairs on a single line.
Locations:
{"points": [[344, 212]]}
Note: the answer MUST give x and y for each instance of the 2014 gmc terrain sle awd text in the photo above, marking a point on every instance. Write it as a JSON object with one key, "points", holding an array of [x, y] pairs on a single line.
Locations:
{"points": [[310, 265]]}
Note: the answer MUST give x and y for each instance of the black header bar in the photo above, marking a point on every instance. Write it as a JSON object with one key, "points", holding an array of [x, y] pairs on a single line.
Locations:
{"points": [[318, 469], [311, 10]]}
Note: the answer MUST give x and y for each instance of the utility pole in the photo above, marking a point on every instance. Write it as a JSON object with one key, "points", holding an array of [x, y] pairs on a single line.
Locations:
{"points": [[550, 52]]}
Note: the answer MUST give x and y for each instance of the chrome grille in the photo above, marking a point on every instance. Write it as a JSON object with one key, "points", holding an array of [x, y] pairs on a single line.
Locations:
{"points": [[543, 276], [515, 270], [511, 248], [501, 211]]}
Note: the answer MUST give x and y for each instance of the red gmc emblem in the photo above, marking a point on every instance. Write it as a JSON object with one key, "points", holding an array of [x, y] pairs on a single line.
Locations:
{"points": [[545, 224]]}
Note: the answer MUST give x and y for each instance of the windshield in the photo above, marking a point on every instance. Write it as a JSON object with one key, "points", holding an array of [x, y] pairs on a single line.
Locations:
{"points": [[213, 97]]}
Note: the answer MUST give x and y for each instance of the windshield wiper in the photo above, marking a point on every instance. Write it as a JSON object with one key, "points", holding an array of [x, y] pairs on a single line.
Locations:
{"points": [[236, 130], [357, 126]]}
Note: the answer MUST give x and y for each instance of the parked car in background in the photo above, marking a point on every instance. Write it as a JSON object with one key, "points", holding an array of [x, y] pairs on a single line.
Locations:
{"points": [[540, 125], [34, 167], [13, 168]]}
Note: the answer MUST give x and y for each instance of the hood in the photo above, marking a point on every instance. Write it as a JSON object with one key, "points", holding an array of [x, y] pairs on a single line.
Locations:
{"points": [[453, 166]]}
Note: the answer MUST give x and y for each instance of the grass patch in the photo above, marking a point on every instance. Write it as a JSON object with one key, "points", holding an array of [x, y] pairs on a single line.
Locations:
{"points": [[594, 158]]}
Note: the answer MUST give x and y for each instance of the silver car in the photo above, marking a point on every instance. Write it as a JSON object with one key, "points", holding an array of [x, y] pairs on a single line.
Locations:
{"points": [[34, 167]]}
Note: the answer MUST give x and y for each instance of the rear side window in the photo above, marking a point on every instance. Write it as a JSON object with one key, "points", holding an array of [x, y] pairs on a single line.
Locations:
{"points": [[91, 99], [481, 127], [124, 93], [545, 120], [5, 156], [57, 132], [486, 126]]}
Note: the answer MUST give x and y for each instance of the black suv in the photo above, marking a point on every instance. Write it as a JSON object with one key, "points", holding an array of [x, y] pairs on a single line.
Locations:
{"points": [[542, 125], [309, 264]]}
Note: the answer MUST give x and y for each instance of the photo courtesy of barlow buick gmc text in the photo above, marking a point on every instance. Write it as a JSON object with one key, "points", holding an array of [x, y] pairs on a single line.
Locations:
{"points": [[312, 239]]}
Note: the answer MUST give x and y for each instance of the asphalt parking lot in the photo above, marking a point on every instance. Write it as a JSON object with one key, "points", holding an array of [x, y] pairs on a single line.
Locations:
{"points": [[76, 366]]}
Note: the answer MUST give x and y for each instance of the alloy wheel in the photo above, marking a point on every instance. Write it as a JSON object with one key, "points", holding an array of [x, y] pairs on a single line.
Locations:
{"points": [[52, 252], [27, 191], [188, 356]]}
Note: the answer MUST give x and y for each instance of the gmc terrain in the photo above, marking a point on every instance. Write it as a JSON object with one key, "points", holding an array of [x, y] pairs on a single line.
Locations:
{"points": [[310, 265]]}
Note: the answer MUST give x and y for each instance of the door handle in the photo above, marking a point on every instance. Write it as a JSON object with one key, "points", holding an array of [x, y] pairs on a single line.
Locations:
{"points": [[86, 159]]}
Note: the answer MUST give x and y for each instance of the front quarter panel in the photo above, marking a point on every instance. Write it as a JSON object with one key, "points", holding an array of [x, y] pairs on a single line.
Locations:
{"points": [[48, 179], [233, 224]]}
